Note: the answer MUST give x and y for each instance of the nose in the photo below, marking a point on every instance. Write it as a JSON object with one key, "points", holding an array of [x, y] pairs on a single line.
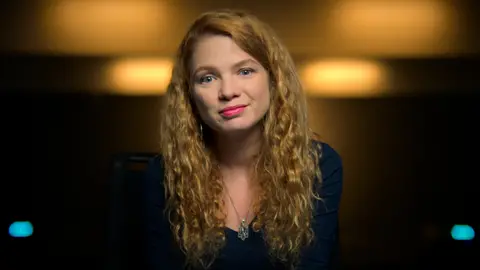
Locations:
{"points": [[229, 89]]}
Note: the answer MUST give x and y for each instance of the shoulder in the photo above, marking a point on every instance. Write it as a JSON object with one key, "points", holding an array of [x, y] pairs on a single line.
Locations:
{"points": [[323, 252], [330, 187], [330, 160]]}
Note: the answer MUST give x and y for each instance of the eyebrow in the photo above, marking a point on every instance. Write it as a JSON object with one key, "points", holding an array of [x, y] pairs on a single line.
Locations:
{"points": [[234, 66]]}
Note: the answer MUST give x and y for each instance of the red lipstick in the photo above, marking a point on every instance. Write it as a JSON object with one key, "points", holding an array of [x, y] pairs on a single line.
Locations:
{"points": [[232, 111]]}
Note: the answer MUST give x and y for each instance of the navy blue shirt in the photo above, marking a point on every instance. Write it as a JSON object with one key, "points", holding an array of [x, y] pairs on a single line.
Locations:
{"points": [[163, 253]]}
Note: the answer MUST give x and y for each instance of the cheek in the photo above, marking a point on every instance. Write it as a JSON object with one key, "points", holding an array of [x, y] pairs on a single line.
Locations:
{"points": [[204, 103], [264, 95], [266, 102]]}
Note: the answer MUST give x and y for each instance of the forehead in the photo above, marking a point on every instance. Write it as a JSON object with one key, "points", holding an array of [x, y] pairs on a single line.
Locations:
{"points": [[218, 51]]}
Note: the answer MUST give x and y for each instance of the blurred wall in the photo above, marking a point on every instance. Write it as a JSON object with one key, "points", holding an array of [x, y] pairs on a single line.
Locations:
{"points": [[409, 150], [406, 167]]}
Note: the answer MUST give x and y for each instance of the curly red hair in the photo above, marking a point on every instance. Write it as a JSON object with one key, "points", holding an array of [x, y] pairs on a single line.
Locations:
{"points": [[286, 166]]}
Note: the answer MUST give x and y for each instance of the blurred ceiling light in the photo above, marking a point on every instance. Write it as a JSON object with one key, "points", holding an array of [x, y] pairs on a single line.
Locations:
{"points": [[395, 25], [104, 25], [344, 78], [139, 77]]}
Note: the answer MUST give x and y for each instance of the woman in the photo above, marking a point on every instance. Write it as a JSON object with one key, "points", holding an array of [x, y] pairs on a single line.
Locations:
{"points": [[240, 182]]}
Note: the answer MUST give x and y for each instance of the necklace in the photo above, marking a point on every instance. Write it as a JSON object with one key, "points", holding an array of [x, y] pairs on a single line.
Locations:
{"points": [[243, 227]]}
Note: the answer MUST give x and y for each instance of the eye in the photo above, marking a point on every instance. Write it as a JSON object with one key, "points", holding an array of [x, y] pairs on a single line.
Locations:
{"points": [[246, 71], [206, 79]]}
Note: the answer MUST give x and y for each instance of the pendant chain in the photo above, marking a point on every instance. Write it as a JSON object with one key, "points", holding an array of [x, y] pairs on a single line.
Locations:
{"points": [[243, 230]]}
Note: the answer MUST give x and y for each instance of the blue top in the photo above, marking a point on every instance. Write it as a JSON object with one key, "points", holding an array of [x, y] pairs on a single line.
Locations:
{"points": [[163, 253]]}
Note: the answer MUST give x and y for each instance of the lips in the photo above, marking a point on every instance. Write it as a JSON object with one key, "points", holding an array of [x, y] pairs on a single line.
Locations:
{"points": [[231, 108], [232, 111]]}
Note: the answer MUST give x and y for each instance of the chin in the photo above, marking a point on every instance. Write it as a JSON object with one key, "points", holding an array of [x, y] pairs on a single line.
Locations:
{"points": [[235, 126]]}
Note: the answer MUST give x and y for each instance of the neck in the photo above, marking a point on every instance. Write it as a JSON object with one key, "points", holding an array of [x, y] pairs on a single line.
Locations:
{"points": [[236, 152]]}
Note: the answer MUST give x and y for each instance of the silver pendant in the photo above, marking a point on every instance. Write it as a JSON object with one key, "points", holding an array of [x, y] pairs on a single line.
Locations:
{"points": [[243, 230]]}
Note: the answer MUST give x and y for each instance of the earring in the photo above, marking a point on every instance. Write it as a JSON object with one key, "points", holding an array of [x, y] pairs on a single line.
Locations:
{"points": [[201, 131]]}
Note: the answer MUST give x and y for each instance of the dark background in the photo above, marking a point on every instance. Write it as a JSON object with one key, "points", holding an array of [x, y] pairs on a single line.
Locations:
{"points": [[410, 172], [410, 158]]}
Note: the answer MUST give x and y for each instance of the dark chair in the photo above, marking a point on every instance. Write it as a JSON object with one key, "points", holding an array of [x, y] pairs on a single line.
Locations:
{"points": [[125, 228]]}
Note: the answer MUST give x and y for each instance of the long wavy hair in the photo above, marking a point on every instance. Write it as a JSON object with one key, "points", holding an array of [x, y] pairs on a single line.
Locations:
{"points": [[285, 168]]}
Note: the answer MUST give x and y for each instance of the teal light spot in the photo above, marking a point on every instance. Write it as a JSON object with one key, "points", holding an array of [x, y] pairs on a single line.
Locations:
{"points": [[20, 229], [462, 233]]}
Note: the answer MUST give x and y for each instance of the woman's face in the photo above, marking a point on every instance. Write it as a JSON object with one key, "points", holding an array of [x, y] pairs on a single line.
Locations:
{"points": [[230, 88]]}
